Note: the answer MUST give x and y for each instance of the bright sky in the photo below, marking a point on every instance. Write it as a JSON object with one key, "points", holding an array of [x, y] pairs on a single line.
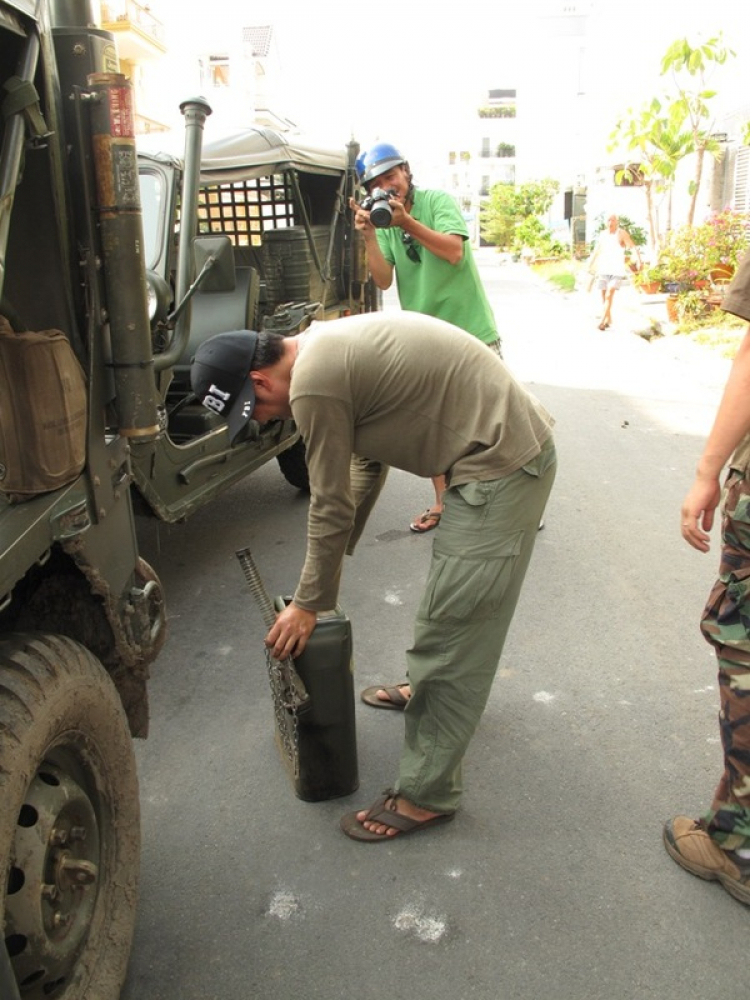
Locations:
{"points": [[415, 72]]}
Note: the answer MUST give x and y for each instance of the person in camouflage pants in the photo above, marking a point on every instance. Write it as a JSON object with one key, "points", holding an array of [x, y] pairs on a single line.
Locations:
{"points": [[717, 846], [725, 624]]}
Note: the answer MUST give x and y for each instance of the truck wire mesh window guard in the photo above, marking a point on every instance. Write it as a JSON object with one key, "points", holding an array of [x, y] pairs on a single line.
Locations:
{"points": [[244, 210]]}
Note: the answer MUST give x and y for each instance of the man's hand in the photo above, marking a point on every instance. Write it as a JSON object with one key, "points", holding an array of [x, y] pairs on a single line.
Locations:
{"points": [[400, 215], [361, 218], [380, 269], [697, 514], [290, 632]]}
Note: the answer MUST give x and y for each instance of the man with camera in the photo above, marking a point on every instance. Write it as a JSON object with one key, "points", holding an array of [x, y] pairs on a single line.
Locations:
{"points": [[421, 236]]}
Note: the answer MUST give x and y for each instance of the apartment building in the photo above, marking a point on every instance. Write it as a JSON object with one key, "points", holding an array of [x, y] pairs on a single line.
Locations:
{"points": [[140, 40], [486, 157]]}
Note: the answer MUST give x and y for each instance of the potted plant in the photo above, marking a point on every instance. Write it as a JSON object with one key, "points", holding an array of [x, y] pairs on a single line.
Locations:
{"points": [[650, 279], [691, 305], [673, 315]]}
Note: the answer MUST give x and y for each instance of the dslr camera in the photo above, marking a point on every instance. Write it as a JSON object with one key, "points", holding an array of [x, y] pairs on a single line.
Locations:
{"points": [[376, 203]]}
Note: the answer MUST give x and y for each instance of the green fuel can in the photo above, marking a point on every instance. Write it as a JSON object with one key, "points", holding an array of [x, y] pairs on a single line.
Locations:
{"points": [[324, 764]]}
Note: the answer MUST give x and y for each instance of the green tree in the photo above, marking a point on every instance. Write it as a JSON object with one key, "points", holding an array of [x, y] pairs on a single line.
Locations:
{"points": [[497, 217], [690, 68], [536, 197], [509, 205], [657, 143]]}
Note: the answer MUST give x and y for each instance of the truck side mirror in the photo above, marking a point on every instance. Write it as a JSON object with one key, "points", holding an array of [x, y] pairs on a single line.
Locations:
{"points": [[215, 256]]}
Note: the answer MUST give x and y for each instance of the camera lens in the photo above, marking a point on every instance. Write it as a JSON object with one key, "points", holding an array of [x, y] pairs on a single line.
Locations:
{"points": [[381, 215]]}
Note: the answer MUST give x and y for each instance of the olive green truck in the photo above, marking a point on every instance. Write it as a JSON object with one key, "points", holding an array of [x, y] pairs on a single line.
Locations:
{"points": [[114, 265]]}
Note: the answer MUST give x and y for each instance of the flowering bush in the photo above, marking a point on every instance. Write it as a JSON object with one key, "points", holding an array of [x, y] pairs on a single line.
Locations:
{"points": [[726, 238], [692, 252], [681, 259]]}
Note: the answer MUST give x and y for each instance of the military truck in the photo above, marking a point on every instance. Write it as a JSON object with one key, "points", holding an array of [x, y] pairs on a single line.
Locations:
{"points": [[112, 269], [274, 227]]}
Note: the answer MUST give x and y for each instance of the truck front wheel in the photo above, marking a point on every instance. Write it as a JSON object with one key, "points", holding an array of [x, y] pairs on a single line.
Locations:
{"points": [[69, 823], [293, 465]]}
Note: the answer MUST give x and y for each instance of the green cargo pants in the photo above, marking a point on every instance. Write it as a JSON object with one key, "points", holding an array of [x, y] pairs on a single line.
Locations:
{"points": [[480, 554]]}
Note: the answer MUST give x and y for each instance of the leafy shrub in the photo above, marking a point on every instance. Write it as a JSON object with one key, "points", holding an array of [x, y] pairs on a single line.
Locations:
{"points": [[534, 235]]}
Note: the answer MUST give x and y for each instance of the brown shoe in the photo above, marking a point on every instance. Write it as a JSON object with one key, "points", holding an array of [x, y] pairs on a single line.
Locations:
{"points": [[690, 845]]}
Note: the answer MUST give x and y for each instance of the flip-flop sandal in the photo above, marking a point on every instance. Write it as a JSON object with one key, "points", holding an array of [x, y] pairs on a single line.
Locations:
{"points": [[397, 701], [426, 521], [387, 815]]}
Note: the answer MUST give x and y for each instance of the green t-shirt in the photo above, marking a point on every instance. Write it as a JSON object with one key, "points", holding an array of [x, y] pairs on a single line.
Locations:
{"points": [[452, 292]]}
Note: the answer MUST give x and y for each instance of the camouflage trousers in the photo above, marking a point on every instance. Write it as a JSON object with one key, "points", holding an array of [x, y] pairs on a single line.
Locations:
{"points": [[726, 625]]}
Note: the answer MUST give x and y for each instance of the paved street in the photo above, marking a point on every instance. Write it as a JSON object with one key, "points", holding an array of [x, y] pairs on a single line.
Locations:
{"points": [[552, 883]]}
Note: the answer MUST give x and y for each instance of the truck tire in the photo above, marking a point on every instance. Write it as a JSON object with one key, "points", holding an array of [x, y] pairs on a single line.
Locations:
{"points": [[70, 821], [293, 465]]}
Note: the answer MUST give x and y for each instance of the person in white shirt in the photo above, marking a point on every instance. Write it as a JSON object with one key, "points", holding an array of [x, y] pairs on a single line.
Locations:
{"points": [[609, 266]]}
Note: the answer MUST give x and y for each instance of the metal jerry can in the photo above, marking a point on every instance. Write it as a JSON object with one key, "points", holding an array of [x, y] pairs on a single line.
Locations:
{"points": [[323, 735]]}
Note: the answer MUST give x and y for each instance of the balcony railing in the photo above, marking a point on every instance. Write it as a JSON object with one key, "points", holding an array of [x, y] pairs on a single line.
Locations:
{"points": [[147, 126], [497, 111], [136, 14], [503, 150]]}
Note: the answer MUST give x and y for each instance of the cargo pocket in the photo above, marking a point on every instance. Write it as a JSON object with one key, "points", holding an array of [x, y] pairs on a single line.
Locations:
{"points": [[462, 589], [735, 504], [729, 600]]}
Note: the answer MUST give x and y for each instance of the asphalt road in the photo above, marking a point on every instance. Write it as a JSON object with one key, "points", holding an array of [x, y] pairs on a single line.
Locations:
{"points": [[552, 883]]}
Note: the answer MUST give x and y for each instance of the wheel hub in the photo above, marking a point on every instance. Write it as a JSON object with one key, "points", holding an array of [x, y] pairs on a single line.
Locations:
{"points": [[52, 883]]}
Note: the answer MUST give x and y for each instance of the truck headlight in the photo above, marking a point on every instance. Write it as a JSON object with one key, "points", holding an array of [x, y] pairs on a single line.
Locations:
{"points": [[159, 296]]}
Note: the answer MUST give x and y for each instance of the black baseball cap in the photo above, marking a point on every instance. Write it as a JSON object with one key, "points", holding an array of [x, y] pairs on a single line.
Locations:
{"points": [[220, 377]]}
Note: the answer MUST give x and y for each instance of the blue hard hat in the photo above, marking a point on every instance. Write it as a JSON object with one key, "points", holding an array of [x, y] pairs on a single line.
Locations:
{"points": [[376, 161]]}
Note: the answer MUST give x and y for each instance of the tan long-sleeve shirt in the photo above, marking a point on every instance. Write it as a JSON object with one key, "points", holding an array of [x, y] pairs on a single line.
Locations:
{"points": [[406, 390]]}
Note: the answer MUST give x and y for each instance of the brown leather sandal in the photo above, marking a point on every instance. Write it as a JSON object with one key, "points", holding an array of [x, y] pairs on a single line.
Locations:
{"points": [[384, 811], [396, 700]]}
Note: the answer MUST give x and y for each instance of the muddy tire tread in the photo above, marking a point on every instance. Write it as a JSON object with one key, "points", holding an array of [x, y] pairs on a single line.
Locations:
{"points": [[52, 689]]}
